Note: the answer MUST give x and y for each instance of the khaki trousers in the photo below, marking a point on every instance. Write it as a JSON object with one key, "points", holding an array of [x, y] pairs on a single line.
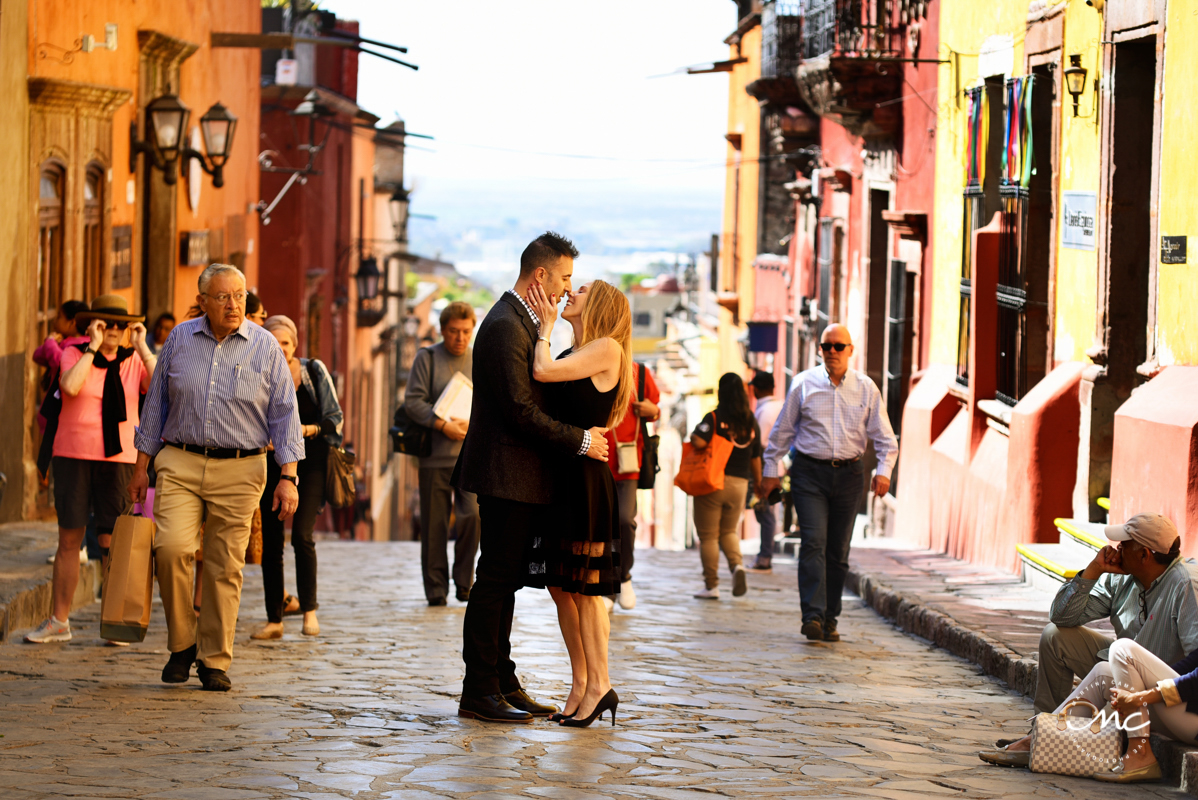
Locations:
{"points": [[716, 518], [228, 490], [1065, 652]]}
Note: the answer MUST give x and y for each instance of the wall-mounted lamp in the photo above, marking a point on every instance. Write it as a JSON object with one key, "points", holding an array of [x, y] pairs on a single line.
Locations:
{"points": [[398, 205], [166, 120], [1075, 79], [314, 108], [217, 126], [372, 284]]}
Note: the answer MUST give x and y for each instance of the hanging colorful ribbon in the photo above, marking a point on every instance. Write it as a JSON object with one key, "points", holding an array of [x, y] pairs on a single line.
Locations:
{"points": [[1017, 133], [978, 112]]}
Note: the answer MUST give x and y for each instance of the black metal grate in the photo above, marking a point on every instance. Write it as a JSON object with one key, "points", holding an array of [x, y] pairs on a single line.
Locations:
{"points": [[781, 27]]}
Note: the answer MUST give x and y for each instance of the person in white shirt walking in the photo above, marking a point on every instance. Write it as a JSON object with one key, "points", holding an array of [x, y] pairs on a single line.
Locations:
{"points": [[830, 416], [767, 411]]}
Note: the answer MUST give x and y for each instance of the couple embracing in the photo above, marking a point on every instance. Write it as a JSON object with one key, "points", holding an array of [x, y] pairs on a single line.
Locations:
{"points": [[536, 457]]}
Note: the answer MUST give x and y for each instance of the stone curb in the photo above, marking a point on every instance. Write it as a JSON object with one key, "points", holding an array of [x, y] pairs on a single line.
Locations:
{"points": [[1179, 762], [29, 606]]}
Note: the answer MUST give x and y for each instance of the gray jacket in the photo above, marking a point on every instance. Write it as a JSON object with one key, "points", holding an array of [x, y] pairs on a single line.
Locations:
{"points": [[420, 397], [325, 395], [1168, 629]]}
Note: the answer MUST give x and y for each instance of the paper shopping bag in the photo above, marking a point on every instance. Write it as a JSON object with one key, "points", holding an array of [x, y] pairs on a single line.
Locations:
{"points": [[128, 580]]}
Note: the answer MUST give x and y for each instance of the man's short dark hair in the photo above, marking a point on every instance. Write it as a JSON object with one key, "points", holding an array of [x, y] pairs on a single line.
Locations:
{"points": [[545, 251], [165, 315], [71, 308], [763, 383]]}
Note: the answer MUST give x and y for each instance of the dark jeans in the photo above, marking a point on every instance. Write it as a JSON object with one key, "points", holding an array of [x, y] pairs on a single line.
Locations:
{"points": [[437, 499], [767, 518], [311, 501], [825, 500], [502, 571], [626, 495]]}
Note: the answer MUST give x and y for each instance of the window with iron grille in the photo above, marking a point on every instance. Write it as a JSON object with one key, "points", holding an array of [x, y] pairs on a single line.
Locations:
{"points": [[781, 25]]}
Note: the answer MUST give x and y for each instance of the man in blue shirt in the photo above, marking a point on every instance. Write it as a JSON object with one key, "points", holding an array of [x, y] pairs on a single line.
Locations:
{"points": [[221, 393], [831, 415]]}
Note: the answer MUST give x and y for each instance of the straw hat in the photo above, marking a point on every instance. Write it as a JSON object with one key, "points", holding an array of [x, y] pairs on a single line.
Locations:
{"points": [[110, 308]]}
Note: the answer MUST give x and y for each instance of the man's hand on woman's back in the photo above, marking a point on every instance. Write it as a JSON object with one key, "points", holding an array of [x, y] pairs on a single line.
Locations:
{"points": [[598, 449]]}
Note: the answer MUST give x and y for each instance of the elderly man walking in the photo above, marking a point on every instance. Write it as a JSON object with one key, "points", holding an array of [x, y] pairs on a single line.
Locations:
{"points": [[830, 416], [221, 393]]}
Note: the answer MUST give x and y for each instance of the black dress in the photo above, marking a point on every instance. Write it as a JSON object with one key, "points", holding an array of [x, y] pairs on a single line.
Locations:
{"points": [[579, 548]]}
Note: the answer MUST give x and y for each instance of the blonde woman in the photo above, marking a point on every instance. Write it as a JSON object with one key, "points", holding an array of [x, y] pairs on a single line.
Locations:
{"points": [[579, 558]]}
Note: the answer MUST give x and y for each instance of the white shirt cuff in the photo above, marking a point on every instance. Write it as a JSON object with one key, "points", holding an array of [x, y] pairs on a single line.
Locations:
{"points": [[586, 443]]}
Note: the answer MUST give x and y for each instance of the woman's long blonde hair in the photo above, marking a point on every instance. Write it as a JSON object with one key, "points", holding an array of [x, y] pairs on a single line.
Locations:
{"points": [[606, 314]]}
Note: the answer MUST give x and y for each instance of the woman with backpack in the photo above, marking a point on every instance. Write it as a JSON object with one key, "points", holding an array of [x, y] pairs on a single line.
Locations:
{"points": [[717, 514]]}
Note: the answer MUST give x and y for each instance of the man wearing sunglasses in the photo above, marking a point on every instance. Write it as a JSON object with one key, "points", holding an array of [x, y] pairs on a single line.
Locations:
{"points": [[831, 415]]}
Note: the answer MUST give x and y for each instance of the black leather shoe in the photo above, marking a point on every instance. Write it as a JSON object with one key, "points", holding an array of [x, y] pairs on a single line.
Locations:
{"points": [[520, 699], [178, 668], [831, 634], [491, 708], [436, 601], [463, 595], [813, 629], [213, 680]]}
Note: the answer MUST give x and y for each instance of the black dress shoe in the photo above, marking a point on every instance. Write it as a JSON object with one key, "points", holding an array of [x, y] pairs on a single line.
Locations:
{"points": [[463, 595], [436, 601], [491, 708], [178, 668], [520, 699], [213, 680]]}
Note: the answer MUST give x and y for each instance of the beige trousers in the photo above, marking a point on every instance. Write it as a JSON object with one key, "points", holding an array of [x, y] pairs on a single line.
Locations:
{"points": [[228, 489], [1065, 652], [716, 517]]}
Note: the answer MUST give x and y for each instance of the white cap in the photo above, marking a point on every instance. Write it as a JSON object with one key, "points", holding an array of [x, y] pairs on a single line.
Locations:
{"points": [[1154, 531]]}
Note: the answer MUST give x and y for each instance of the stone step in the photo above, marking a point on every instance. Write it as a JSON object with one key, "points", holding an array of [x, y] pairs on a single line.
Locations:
{"points": [[1047, 566], [1085, 538]]}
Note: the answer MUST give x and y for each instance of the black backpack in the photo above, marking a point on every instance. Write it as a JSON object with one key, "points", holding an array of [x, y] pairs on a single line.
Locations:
{"points": [[408, 436]]}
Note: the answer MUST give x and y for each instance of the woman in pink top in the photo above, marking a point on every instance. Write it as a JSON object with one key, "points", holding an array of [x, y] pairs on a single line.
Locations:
{"points": [[93, 449]]}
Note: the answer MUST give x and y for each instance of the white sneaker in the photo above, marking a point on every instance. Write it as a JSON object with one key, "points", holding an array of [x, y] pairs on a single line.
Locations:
{"points": [[709, 594], [627, 596], [50, 631], [608, 603], [740, 584]]}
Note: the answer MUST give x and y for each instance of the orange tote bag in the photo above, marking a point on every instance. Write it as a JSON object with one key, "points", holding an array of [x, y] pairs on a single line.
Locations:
{"points": [[702, 471]]}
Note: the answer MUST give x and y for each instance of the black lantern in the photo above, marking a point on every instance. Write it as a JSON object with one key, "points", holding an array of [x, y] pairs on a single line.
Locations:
{"points": [[1075, 79], [367, 279], [217, 126], [398, 205], [166, 121]]}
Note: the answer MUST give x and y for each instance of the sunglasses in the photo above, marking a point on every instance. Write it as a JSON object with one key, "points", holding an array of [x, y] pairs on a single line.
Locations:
{"points": [[828, 346], [116, 325]]}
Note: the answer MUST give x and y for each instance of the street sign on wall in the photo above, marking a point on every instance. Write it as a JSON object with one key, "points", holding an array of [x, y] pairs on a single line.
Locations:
{"points": [[1081, 216], [1173, 249]]}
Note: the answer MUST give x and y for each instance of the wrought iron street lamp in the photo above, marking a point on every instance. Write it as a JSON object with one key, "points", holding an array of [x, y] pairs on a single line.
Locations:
{"points": [[217, 126], [314, 109], [398, 205], [1075, 79], [166, 120], [367, 279]]}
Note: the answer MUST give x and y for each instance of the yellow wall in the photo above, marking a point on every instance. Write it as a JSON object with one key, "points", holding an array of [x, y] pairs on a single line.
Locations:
{"points": [[1078, 171], [744, 118], [1177, 298]]}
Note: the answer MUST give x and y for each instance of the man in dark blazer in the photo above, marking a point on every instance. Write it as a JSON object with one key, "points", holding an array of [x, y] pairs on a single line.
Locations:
{"points": [[508, 459]]}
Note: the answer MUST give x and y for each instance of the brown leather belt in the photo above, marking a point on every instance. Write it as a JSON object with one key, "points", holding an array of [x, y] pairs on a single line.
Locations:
{"points": [[218, 452], [834, 463]]}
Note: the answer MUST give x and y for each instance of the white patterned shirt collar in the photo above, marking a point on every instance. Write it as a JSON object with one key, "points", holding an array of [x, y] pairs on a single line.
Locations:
{"points": [[535, 319]]}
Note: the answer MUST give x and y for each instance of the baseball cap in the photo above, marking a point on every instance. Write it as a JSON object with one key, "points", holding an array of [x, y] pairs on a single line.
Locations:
{"points": [[1154, 531]]}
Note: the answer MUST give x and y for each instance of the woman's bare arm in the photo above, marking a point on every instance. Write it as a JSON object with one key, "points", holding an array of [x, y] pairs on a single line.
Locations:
{"points": [[595, 358]]}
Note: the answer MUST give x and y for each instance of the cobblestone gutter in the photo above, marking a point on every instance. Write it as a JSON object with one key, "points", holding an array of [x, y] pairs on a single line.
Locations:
{"points": [[25, 576]]}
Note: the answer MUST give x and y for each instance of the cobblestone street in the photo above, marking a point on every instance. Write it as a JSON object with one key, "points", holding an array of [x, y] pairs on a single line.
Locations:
{"points": [[719, 698]]}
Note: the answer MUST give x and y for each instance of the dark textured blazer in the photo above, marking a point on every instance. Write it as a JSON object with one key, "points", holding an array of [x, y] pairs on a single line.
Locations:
{"points": [[513, 447]]}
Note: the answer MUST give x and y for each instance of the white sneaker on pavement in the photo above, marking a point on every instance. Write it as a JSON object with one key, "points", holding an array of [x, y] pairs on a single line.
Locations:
{"points": [[50, 631], [608, 603], [709, 594], [627, 596]]}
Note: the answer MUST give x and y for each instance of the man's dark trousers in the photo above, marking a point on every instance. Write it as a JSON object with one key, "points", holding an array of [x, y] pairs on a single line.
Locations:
{"points": [[502, 570], [825, 501], [438, 499]]}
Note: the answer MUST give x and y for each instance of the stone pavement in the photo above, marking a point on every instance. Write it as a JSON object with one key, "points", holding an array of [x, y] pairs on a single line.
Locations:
{"points": [[718, 698], [25, 576]]}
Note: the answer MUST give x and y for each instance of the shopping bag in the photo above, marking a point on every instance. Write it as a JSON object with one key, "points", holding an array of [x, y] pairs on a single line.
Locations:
{"points": [[253, 547], [702, 471], [128, 580]]}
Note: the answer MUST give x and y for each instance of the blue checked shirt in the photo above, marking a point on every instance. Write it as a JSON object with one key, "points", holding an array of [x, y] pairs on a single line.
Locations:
{"points": [[234, 393], [825, 421]]}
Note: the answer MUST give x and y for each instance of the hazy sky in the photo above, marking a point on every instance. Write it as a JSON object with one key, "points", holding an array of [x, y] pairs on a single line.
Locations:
{"points": [[552, 77]]}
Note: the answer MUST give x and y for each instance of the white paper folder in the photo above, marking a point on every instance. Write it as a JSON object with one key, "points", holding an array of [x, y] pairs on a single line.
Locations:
{"points": [[455, 401]]}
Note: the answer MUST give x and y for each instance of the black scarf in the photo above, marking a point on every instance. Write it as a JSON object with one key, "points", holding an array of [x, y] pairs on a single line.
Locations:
{"points": [[112, 406]]}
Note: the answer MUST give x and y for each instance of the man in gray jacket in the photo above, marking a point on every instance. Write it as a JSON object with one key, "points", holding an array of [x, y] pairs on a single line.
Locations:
{"points": [[432, 370]]}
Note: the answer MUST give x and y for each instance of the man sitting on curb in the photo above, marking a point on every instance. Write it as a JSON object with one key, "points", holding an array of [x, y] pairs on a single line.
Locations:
{"points": [[1146, 590]]}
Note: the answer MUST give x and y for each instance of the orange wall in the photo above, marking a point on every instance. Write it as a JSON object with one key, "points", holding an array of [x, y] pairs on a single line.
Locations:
{"points": [[230, 76]]}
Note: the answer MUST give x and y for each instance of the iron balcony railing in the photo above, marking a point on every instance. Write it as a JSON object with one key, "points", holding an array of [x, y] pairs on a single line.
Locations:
{"points": [[862, 28], [781, 29]]}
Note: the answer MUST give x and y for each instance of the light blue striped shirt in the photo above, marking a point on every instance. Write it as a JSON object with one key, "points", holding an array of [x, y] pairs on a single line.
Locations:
{"points": [[826, 421], [235, 393]]}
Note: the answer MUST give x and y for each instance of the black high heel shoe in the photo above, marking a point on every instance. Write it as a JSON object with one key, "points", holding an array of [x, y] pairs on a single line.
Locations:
{"points": [[559, 716], [608, 702]]}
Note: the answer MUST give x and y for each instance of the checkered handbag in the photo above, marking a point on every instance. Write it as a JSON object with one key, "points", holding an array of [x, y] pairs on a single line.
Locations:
{"points": [[1062, 746]]}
